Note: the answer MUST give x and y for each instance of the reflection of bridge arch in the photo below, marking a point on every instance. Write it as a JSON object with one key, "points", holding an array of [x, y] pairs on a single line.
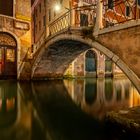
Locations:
{"points": [[44, 57]]}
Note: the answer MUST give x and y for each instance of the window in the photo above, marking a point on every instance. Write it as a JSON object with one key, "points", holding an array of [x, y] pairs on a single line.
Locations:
{"points": [[44, 20], [35, 28], [110, 4], [40, 7], [127, 11], [6, 7], [10, 55], [39, 25], [108, 64], [138, 2], [36, 12], [44, 2], [49, 14]]}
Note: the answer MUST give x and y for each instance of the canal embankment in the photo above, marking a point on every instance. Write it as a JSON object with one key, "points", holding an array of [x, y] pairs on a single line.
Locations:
{"points": [[127, 119]]}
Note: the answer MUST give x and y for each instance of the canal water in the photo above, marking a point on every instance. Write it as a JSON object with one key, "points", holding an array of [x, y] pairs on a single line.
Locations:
{"points": [[64, 109]]}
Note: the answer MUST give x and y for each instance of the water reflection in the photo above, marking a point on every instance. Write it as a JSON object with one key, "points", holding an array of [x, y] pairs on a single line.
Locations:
{"points": [[15, 116], [8, 103], [97, 96], [61, 110]]}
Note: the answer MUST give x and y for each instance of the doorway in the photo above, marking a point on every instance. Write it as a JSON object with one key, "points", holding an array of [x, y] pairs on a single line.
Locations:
{"points": [[8, 57]]}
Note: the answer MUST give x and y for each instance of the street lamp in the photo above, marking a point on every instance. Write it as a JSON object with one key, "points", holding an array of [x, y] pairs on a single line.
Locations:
{"points": [[57, 7]]}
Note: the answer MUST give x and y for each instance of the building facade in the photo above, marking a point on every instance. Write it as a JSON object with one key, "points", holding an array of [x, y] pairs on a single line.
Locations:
{"points": [[15, 37]]}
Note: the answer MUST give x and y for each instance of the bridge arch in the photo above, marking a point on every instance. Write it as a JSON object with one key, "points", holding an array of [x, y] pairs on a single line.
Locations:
{"points": [[62, 40]]}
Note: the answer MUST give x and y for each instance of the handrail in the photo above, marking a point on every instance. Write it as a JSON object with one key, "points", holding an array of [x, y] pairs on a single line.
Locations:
{"points": [[119, 11], [64, 21]]}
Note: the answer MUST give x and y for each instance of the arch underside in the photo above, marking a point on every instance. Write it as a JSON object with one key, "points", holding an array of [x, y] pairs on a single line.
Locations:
{"points": [[56, 56]]}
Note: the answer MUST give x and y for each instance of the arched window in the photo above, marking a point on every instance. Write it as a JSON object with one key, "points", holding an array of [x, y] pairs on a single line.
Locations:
{"points": [[90, 61], [6, 7]]}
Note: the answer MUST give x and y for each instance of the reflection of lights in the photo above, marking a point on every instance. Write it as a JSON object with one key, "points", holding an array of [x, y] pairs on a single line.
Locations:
{"points": [[10, 104], [134, 98]]}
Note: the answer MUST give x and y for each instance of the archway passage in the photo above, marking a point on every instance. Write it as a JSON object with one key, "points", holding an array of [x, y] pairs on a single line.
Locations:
{"points": [[8, 56], [56, 58]]}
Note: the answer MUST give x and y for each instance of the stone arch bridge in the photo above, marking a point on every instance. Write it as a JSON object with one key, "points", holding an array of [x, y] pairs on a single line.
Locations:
{"points": [[117, 36], [121, 45]]}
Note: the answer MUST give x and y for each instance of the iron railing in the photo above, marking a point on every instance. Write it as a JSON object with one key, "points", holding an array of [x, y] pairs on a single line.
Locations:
{"points": [[80, 16], [60, 23], [113, 13], [118, 11]]}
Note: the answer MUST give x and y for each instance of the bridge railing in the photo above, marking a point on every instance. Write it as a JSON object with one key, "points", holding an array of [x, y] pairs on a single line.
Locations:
{"points": [[60, 23], [79, 16], [118, 11], [113, 13]]}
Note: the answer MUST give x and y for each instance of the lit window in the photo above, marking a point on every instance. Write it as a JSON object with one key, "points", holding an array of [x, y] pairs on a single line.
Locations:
{"points": [[10, 55]]}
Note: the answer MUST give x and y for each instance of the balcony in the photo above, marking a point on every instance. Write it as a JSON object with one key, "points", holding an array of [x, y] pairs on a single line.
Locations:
{"points": [[12, 24]]}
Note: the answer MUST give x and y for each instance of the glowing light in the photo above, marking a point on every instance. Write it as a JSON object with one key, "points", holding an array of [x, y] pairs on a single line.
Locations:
{"points": [[57, 7]]}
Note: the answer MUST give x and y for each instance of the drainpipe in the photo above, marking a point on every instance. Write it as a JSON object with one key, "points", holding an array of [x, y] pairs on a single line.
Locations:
{"points": [[99, 17]]}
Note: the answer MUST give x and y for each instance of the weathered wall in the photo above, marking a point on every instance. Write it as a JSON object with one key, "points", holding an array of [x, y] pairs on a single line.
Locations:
{"points": [[23, 13], [67, 58], [126, 44]]}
